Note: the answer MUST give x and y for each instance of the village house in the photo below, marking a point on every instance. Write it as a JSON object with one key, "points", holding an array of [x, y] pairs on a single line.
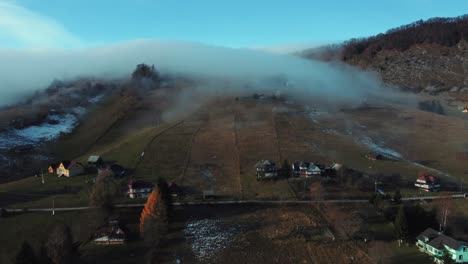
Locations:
{"points": [[94, 161], [374, 156], [266, 169], [299, 168], [139, 189], [52, 168], [314, 170], [110, 234], [437, 244], [427, 182], [69, 168]]}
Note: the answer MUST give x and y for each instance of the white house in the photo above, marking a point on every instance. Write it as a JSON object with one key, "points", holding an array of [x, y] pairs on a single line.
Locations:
{"points": [[139, 189]]}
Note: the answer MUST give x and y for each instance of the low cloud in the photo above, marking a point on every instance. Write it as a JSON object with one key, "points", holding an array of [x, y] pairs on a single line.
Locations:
{"points": [[22, 71]]}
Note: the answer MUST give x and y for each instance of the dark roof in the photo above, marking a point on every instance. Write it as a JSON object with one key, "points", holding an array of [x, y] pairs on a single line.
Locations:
{"points": [[438, 240], [66, 163], [174, 188], [54, 165], [112, 230], [429, 233], [265, 163], [116, 168], [140, 185]]}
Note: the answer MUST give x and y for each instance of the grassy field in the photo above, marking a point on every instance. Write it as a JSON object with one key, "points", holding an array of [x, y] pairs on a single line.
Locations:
{"points": [[216, 147]]}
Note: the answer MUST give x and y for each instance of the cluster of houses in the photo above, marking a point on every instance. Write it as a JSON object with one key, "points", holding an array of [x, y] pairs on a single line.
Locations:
{"points": [[136, 188], [66, 168], [267, 169], [437, 245], [70, 168]]}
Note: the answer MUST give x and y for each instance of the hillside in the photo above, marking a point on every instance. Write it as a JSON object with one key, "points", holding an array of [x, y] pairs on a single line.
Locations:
{"points": [[430, 56]]}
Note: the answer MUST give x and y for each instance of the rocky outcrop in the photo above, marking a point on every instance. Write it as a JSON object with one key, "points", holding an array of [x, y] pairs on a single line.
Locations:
{"points": [[430, 68]]}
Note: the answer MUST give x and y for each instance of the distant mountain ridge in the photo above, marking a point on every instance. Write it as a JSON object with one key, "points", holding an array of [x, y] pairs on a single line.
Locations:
{"points": [[429, 55]]}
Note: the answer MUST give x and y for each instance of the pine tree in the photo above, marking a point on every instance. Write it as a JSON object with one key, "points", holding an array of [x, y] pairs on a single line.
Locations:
{"points": [[397, 197], [25, 255], [401, 225], [286, 169], [166, 196]]}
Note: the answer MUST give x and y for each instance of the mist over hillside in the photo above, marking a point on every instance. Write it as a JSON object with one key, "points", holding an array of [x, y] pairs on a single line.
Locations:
{"points": [[24, 71]]}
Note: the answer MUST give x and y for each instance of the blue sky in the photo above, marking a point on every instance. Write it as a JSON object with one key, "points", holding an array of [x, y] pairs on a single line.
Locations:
{"points": [[236, 23]]}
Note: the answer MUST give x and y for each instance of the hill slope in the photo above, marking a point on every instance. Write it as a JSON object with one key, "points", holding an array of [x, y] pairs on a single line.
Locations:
{"points": [[427, 55]]}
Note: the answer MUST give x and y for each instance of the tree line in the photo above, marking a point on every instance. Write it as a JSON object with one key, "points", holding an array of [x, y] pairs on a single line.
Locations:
{"points": [[442, 31]]}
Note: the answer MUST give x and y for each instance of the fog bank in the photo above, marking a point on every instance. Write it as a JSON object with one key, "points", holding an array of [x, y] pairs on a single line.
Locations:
{"points": [[24, 71]]}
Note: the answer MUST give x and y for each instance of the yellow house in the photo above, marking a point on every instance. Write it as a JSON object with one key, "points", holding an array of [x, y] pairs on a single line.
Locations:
{"points": [[69, 168]]}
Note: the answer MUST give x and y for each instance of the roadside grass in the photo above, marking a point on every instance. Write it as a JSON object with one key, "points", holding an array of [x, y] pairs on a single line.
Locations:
{"points": [[408, 254], [30, 192]]}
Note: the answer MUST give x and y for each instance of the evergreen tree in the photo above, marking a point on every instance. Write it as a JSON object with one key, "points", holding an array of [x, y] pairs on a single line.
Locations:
{"points": [[397, 197], [166, 196], [25, 255], [401, 225], [286, 169]]}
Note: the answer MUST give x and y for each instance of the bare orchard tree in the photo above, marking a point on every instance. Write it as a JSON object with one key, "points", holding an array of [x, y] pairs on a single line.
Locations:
{"points": [[444, 209], [60, 245]]}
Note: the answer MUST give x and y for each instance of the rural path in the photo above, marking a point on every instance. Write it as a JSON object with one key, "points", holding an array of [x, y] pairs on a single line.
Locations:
{"points": [[234, 202]]}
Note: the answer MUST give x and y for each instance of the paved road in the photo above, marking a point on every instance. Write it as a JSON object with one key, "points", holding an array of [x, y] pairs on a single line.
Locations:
{"points": [[249, 202]]}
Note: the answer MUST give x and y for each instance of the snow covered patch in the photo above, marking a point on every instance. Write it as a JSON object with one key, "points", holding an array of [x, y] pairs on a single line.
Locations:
{"points": [[79, 110], [35, 134], [95, 99], [380, 147], [208, 237]]}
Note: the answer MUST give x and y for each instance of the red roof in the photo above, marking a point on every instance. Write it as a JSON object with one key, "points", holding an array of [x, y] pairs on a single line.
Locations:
{"points": [[428, 178]]}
